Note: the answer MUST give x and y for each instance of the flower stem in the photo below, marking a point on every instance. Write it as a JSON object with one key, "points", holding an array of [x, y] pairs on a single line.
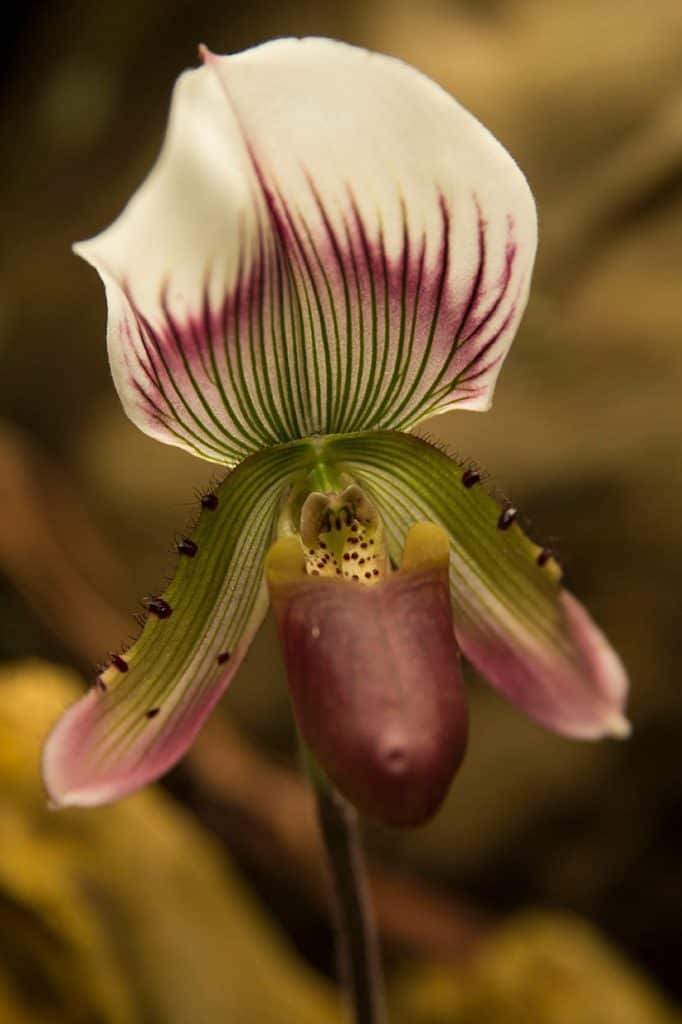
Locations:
{"points": [[357, 943]]}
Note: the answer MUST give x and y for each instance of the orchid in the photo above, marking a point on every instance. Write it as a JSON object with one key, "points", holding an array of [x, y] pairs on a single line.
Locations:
{"points": [[329, 250]]}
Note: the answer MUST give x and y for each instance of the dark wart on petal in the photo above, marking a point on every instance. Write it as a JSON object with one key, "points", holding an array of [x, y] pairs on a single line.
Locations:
{"points": [[209, 501], [471, 477], [157, 606], [507, 517], [544, 557], [120, 663], [187, 547], [223, 657], [152, 713]]}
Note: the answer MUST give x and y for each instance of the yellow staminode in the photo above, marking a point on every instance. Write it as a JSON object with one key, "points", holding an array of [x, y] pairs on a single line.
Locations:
{"points": [[426, 547], [343, 537]]}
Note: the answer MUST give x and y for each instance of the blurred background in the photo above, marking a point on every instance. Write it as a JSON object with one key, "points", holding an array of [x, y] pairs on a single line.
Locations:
{"points": [[550, 887]]}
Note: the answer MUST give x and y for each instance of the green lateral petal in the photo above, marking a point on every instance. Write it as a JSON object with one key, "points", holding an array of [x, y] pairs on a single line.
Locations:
{"points": [[148, 706], [513, 620]]}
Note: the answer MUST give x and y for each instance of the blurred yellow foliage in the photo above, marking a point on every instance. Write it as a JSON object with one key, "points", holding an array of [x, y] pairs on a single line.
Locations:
{"points": [[538, 968], [127, 913]]}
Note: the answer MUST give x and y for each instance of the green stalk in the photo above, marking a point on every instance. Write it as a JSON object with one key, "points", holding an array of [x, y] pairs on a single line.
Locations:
{"points": [[356, 937]]}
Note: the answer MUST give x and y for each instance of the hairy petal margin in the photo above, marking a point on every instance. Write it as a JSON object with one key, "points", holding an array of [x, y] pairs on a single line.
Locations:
{"points": [[145, 710], [528, 636]]}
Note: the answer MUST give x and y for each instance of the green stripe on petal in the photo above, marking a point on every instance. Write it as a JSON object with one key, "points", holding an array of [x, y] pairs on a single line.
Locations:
{"points": [[147, 707], [513, 620]]}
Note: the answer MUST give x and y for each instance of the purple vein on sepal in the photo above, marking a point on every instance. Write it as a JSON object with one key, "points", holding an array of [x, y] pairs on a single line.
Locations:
{"points": [[283, 236], [326, 330], [441, 269], [373, 414], [429, 399], [366, 251], [256, 312], [501, 285], [340, 394], [211, 324], [355, 393], [151, 345], [177, 335], [332, 393], [323, 396]]}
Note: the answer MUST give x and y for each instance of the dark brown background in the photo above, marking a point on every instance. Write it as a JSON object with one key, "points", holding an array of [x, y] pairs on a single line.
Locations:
{"points": [[584, 434]]}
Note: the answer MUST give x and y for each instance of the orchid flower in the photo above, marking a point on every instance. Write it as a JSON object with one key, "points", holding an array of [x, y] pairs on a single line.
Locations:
{"points": [[329, 250]]}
